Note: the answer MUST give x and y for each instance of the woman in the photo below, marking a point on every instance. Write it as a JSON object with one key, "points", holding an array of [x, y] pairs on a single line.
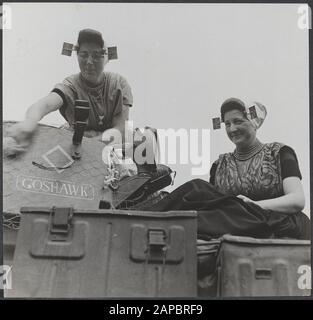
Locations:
{"points": [[254, 191], [109, 95]]}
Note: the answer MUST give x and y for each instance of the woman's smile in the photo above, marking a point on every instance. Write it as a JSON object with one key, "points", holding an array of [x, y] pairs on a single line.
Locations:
{"points": [[239, 129], [236, 135]]}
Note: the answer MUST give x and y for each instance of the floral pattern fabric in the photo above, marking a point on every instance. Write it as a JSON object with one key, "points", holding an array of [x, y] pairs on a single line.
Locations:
{"points": [[258, 178]]}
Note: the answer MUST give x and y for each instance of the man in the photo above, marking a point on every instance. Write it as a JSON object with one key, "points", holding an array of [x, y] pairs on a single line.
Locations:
{"points": [[109, 95]]}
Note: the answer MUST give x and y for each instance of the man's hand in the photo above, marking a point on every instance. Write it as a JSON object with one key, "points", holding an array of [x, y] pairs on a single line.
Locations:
{"points": [[11, 147], [22, 133]]}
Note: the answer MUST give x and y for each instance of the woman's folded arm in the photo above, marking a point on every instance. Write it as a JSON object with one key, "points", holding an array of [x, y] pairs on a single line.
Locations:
{"points": [[292, 201]]}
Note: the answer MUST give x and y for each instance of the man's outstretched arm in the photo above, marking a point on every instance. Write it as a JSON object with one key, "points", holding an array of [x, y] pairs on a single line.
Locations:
{"points": [[23, 131]]}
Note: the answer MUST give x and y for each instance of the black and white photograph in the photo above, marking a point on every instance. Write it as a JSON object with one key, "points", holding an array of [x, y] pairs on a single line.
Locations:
{"points": [[156, 150]]}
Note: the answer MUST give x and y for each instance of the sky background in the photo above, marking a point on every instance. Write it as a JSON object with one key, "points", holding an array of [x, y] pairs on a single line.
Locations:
{"points": [[181, 60]]}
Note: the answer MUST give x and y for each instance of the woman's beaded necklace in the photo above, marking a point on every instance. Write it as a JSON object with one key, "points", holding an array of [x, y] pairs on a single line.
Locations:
{"points": [[249, 152]]}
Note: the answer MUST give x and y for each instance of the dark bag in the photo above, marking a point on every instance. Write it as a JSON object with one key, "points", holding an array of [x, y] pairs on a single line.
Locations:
{"points": [[151, 177]]}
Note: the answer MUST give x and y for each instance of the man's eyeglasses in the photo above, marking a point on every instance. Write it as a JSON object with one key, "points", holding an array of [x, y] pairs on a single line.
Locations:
{"points": [[95, 56]]}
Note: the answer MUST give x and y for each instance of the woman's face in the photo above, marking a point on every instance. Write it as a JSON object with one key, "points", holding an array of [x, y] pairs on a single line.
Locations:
{"points": [[91, 62], [239, 129]]}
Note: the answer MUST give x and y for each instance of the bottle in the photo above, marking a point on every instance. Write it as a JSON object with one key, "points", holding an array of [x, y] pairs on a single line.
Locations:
{"points": [[81, 114]]}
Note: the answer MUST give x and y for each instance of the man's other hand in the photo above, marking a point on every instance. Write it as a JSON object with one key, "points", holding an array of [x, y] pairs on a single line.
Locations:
{"points": [[22, 131]]}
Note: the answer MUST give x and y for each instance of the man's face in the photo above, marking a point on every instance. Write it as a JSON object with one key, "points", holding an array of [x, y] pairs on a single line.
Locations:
{"points": [[91, 60]]}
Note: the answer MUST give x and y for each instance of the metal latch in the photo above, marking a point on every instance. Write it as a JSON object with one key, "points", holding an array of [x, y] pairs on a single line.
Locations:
{"points": [[157, 248], [156, 238], [60, 223], [157, 245], [264, 273]]}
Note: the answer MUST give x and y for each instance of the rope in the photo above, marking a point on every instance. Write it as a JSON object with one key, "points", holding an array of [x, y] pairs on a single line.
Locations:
{"points": [[51, 168], [11, 221]]}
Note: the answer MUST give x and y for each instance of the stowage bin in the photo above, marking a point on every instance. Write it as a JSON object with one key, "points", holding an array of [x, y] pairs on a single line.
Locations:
{"points": [[66, 253], [250, 267]]}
